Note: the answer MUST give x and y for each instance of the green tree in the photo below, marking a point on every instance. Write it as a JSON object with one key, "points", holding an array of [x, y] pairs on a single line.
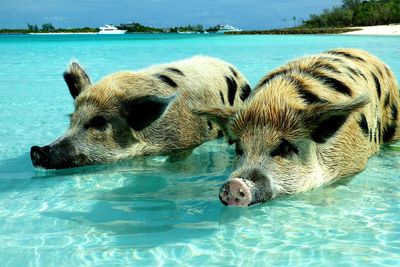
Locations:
{"points": [[137, 27], [47, 27], [351, 4], [32, 28], [357, 13]]}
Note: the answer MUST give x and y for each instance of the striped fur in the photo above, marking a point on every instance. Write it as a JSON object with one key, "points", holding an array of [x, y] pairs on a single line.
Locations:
{"points": [[336, 76], [312, 121], [146, 112]]}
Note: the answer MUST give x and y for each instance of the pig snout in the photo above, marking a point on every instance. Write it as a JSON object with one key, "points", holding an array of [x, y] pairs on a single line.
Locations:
{"points": [[40, 156], [235, 192]]}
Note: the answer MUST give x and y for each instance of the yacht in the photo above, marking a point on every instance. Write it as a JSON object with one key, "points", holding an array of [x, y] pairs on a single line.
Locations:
{"points": [[227, 28], [110, 29]]}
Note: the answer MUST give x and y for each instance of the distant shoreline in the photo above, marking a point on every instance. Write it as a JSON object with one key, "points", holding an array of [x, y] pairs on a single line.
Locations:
{"points": [[380, 30], [294, 31], [391, 30], [271, 32]]}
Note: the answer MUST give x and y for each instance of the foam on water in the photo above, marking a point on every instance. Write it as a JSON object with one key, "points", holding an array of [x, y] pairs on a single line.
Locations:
{"points": [[153, 212]]}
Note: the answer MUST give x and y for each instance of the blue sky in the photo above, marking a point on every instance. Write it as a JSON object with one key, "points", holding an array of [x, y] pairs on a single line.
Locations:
{"points": [[250, 14]]}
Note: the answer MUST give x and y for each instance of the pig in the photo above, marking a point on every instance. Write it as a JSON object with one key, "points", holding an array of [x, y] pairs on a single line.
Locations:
{"points": [[308, 123], [145, 112]]}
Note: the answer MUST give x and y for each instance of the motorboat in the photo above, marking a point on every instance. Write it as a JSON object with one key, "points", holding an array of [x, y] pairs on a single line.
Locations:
{"points": [[110, 29], [227, 28]]}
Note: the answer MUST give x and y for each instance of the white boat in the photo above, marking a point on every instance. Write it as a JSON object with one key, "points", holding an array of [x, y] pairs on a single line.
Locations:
{"points": [[110, 29], [227, 28], [188, 32]]}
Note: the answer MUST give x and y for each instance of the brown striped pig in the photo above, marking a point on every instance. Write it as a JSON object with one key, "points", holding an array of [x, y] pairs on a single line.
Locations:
{"points": [[310, 122], [147, 112]]}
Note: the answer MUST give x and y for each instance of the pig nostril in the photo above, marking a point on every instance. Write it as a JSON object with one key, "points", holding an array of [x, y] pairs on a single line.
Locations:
{"points": [[237, 200], [241, 193], [39, 155], [36, 152]]}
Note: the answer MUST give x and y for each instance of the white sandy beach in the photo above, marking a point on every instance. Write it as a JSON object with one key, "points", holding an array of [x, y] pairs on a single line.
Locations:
{"points": [[377, 30]]}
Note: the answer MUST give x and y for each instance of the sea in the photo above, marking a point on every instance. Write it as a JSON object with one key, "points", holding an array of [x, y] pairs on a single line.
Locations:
{"points": [[152, 212]]}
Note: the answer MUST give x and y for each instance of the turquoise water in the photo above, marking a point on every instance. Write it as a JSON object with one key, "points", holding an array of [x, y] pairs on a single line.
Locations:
{"points": [[149, 212]]}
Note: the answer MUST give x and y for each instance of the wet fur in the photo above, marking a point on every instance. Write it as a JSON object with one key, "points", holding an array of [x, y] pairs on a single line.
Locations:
{"points": [[147, 111], [335, 108]]}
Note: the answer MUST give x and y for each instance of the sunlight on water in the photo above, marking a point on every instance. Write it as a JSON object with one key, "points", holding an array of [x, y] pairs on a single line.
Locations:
{"points": [[153, 212]]}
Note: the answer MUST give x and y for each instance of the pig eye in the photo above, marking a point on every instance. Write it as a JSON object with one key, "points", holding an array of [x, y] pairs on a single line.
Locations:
{"points": [[98, 123], [285, 149]]}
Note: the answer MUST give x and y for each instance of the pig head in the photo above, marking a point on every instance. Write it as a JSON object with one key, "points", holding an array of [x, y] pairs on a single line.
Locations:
{"points": [[278, 146], [103, 121]]}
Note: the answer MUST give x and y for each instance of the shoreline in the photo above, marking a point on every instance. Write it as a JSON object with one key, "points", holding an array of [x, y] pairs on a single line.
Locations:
{"points": [[379, 30], [385, 30], [293, 31]]}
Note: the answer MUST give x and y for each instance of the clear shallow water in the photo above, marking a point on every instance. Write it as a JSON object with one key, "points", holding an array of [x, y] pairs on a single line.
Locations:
{"points": [[150, 212]]}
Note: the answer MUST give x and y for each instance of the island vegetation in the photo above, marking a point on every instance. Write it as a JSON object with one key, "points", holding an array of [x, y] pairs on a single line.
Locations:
{"points": [[136, 27], [47, 28], [344, 18], [347, 17], [132, 27], [297, 31], [187, 28], [357, 13]]}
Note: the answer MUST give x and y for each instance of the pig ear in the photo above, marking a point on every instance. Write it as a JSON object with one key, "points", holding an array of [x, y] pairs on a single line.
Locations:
{"points": [[143, 111], [326, 119], [220, 115], [76, 78]]}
